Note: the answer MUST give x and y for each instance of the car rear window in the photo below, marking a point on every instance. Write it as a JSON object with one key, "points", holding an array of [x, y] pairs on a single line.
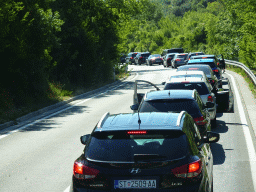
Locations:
{"points": [[205, 70], [211, 64], [121, 146], [183, 56], [177, 105], [199, 86], [187, 76], [145, 55], [170, 56]]}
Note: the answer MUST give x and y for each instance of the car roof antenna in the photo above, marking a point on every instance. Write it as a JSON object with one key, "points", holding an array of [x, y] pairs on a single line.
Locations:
{"points": [[139, 121]]}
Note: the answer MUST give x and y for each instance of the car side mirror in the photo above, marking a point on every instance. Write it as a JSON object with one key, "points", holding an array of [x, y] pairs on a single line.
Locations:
{"points": [[85, 138], [134, 107], [163, 83], [209, 104], [211, 137]]}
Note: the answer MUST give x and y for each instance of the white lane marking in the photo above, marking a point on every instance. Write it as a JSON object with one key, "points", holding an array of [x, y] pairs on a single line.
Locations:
{"points": [[53, 114], [247, 134], [67, 190]]}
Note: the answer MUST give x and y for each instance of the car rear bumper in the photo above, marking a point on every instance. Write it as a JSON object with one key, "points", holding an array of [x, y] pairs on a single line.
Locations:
{"points": [[185, 188]]}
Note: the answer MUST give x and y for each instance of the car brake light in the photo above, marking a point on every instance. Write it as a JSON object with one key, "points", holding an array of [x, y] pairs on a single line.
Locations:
{"points": [[210, 98], [218, 63], [82, 171], [177, 59], [189, 170], [131, 57], [136, 132], [169, 59], [215, 70], [141, 57], [200, 120]]}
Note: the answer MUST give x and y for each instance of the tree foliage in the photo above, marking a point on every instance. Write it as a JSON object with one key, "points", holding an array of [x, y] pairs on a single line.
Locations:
{"points": [[78, 42]]}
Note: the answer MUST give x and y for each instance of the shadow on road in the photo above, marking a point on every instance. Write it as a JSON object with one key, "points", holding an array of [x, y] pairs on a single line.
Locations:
{"points": [[218, 154]]}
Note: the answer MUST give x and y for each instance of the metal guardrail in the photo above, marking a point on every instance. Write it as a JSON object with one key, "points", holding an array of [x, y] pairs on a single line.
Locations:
{"points": [[245, 68]]}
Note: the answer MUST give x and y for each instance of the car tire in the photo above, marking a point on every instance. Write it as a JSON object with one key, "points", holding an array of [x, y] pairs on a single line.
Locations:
{"points": [[213, 123], [212, 185]]}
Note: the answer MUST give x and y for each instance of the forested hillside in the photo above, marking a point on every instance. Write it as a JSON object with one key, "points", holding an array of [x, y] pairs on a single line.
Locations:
{"points": [[51, 48]]}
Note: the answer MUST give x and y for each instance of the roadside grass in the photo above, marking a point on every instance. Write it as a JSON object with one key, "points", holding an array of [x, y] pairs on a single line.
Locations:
{"points": [[56, 93], [246, 77]]}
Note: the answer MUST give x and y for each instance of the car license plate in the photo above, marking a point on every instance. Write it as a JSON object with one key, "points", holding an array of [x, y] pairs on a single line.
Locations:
{"points": [[137, 184]]}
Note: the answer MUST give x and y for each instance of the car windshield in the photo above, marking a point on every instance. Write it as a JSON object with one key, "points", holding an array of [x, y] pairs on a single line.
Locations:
{"points": [[199, 86], [160, 145], [177, 105], [187, 68]]}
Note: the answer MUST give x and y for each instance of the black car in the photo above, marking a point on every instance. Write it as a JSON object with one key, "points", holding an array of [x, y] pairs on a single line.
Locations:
{"points": [[206, 69], [141, 58], [191, 54], [212, 63], [168, 59], [173, 50], [154, 59], [179, 59], [145, 152], [177, 100], [130, 58], [122, 58]]}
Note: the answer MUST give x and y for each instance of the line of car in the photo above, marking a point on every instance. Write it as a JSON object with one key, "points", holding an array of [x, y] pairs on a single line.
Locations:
{"points": [[164, 145]]}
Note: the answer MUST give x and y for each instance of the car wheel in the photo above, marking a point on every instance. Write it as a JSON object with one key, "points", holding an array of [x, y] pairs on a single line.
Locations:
{"points": [[213, 122], [212, 185]]}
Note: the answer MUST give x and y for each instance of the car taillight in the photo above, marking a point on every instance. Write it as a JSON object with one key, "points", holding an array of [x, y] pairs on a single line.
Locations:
{"points": [[215, 70], [218, 63], [189, 170], [136, 132], [131, 57], [82, 171], [177, 59], [141, 57], [210, 98], [169, 59], [200, 120]]}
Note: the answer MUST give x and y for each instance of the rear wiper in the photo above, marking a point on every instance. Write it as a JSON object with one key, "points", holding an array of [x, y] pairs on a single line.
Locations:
{"points": [[148, 157]]}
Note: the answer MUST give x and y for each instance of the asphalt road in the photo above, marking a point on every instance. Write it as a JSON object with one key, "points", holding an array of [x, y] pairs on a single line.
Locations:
{"points": [[39, 156]]}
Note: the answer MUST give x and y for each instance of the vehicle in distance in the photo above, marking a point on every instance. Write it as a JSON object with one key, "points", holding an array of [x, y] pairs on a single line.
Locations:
{"points": [[130, 57], [194, 54], [168, 59], [206, 69], [154, 59], [179, 60], [201, 84], [145, 152], [212, 63], [177, 101], [141, 58], [173, 50]]}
